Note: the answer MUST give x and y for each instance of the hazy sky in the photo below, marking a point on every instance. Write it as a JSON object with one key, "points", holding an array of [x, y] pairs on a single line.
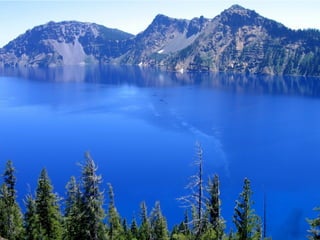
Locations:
{"points": [[135, 15]]}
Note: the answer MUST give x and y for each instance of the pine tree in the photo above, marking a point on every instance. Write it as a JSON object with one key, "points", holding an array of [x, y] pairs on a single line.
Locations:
{"points": [[134, 230], [182, 231], [31, 222], [72, 214], [145, 228], [11, 223], [158, 223], [183, 227], [314, 231], [214, 209], [92, 212], [115, 228], [126, 230], [247, 222], [47, 209]]}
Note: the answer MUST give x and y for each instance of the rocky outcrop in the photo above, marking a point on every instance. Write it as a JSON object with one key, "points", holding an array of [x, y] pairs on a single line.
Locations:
{"points": [[163, 37], [65, 43], [240, 40]]}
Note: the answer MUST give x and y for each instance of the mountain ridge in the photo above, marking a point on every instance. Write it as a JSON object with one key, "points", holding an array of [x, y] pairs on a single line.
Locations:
{"points": [[237, 40]]}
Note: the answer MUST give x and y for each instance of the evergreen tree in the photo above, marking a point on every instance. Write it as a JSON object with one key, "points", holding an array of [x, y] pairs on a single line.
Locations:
{"points": [[145, 228], [314, 231], [126, 230], [158, 223], [134, 230], [11, 221], [92, 212], [47, 209], [73, 211], [182, 231], [31, 222], [214, 209], [183, 228], [115, 228], [247, 222]]}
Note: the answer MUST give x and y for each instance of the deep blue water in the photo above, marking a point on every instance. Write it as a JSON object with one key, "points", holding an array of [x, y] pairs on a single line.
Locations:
{"points": [[141, 125]]}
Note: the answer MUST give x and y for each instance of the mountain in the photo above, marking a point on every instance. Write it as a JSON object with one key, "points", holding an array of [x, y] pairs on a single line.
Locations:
{"points": [[65, 43], [237, 40], [163, 37]]}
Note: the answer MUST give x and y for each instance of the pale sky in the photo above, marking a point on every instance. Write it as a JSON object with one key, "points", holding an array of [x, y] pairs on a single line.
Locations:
{"points": [[134, 16]]}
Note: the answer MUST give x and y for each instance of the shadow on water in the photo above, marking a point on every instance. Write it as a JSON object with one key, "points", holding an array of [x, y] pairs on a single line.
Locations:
{"points": [[151, 77]]}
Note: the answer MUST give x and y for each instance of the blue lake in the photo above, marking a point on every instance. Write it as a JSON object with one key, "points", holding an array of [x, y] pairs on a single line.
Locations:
{"points": [[141, 125]]}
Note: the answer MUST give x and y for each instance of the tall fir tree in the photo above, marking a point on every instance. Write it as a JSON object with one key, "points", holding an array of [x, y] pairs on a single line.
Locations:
{"points": [[92, 212], [115, 228], [248, 224], [134, 229], [158, 224], [216, 221], [31, 222], [47, 209], [11, 219], [72, 213], [314, 224], [145, 228]]}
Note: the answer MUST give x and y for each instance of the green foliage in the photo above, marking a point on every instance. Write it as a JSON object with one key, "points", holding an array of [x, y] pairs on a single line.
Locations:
{"points": [[216, 222], [32, 228], [92, 212], [84, 214], [115, 228], [11, 226], [247, 222], [72, 216], [180, 236], [183, 227], [314, 231], [158, 222], [47, 209], [134, 229], [145, 228]]}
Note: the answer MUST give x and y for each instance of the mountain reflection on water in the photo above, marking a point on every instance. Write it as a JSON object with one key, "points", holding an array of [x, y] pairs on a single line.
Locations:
{"points": [[140, 125], [151, 77]]}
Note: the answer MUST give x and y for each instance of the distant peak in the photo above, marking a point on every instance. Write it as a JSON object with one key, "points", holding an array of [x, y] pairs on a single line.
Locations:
{"points": [[236, 7], [162, 20], [161, 16]]}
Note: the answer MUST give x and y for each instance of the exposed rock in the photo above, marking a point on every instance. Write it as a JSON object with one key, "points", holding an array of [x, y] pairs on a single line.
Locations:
{"points": [[64, 43], [237, 40]]}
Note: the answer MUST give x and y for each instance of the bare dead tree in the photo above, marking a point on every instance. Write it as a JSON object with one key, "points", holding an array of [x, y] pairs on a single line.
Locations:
{"points": [[196, 200]]}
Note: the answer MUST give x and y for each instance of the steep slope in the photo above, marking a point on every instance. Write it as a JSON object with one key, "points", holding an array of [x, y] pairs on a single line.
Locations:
{"points": [[237, 40], [163, 37], [65, 43], [240, 40]]}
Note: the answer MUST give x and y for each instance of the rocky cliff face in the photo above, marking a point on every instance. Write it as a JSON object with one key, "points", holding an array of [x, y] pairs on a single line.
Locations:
{"points": [[65, 43], [163, 37], [238, 40]]}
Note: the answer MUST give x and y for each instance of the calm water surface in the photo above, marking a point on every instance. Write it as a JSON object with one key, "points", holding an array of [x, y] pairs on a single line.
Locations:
{"points": [[141, 125]]}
